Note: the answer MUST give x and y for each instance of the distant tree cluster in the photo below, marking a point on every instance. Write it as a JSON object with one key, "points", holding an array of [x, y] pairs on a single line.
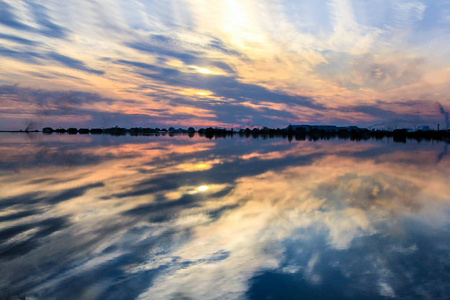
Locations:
{"points": [[291, 132]]}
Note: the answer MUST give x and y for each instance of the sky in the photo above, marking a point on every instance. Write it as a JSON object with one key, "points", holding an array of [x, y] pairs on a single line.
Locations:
{"points": [[229, 63]]}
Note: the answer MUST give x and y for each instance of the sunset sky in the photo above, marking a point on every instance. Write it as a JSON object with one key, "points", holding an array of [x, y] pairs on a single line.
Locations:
{"points": [[225, 63]]}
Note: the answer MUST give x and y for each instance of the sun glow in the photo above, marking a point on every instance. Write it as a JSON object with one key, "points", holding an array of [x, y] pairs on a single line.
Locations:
{"points": [[204, 71], [203, 188]]}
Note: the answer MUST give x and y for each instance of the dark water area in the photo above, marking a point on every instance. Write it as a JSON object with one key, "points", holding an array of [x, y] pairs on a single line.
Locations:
{"points": [[160, 217]]}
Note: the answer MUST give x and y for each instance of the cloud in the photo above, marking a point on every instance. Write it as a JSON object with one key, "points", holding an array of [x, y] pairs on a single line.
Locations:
{"points": [[45, 26], [384, 72], [72, 63], [62, 100], [279, 193], [233, 103], [396, 114], [225, 86], [82, 109], [223, 66], [25, 56], [18, 39], [27, 237], [8, 18], [189, 57], [408, 12], [219, 45]]}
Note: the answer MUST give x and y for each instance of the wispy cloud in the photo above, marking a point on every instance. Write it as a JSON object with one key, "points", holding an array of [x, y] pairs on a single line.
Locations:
{"points": [[72, 63]]}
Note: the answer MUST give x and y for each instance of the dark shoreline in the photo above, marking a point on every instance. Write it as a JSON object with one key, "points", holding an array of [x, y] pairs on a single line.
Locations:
{"points": [[354, 134]]}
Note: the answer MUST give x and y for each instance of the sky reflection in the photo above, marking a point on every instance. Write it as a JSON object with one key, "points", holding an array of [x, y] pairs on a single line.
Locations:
{"points": [[170, 217]]}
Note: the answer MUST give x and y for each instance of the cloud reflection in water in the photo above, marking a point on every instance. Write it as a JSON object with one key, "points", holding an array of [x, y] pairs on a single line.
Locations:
{"points": [[172, 217]]}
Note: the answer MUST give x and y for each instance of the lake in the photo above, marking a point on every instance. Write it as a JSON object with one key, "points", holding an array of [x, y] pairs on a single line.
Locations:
{"points": [[179, 217]]}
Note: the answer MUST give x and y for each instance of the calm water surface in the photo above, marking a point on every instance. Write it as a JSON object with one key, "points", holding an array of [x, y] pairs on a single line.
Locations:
{"points": [[103, 217]]}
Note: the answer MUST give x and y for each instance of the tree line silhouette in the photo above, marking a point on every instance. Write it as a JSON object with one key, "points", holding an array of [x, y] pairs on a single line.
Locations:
{"points": [[299, 133]]}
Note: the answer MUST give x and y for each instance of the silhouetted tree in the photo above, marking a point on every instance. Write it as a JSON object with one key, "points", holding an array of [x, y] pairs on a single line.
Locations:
{"points": [[72, 130], [47, 130]]}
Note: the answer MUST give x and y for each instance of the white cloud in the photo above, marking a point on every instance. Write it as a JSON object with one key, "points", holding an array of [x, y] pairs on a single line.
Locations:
{"points": [[407, 13]]}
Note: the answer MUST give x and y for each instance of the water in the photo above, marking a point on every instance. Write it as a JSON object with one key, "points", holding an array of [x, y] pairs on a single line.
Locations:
{"points": [[104, 217]]}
